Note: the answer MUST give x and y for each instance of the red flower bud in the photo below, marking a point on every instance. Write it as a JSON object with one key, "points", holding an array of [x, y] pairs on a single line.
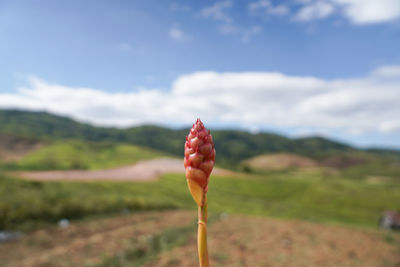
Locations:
{"points": [[199, 160]]}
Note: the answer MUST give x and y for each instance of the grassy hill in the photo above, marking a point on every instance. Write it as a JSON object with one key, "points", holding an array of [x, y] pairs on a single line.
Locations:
{"points": [[83, 155], [233, 146]]}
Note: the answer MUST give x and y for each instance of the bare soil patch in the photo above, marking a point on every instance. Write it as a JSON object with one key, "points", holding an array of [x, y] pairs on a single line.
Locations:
{"points": [[141, 171], [342, 162], [13, 148], [254, 241], [280, 161]]}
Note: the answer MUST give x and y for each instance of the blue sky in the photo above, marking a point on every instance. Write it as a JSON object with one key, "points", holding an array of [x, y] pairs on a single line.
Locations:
{"points": [[299, 67]]}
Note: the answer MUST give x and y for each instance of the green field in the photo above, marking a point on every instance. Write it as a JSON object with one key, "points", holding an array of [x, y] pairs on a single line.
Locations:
{"points": [[76, 154], [308, 195]]}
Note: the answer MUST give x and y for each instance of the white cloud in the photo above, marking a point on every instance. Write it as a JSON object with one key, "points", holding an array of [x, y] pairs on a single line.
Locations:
{"points": [[260, 4], [177, 34], [251, 99], [268, 8], [370, 11], [390, 127], [359, 12], [387, 71], [227, 26], [217, 11], [315, 10]]}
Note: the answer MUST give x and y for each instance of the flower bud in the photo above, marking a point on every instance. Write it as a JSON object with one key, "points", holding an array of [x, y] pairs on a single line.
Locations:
{"points": [[199, 160]]}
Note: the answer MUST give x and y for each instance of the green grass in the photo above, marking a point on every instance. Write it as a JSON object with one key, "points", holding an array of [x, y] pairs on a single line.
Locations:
{"points": [[297, 195], [74, 154], [301, 196], [379, 166], [27, 204]]}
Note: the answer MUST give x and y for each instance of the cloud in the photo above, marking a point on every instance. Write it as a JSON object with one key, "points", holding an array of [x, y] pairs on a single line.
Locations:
{"points": [[177, 34], [268, 8], [217, 11], [390, 127], [260, 4], [387, 71], [315, 10], [227, 27], [250, 99], [370, 11], [359, 12]]}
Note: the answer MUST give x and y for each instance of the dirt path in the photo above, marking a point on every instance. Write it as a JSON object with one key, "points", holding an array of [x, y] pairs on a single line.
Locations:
{"points": [[86, 243], [141, 171]]}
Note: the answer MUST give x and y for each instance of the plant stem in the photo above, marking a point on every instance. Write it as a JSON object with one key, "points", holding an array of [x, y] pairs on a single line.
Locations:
{"points": [[202, 235]]}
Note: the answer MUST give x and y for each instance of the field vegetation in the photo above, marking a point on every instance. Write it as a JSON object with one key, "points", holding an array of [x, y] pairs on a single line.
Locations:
{"points": [[308, 195], [77, 154]]}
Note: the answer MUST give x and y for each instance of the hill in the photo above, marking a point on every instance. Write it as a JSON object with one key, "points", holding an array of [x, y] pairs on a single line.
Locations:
{"points": [[81, 155], [233, 146]]}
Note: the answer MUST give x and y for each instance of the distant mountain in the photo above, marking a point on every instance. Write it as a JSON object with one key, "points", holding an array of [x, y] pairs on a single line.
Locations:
{"points": [[232, 145], [46, 125]]}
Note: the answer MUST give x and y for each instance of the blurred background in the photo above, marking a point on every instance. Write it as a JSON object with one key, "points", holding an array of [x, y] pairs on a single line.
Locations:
{"points": [[301, 96]]}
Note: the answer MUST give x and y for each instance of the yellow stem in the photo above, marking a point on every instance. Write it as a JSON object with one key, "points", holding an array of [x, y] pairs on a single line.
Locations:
{"points": [[202, 235]]}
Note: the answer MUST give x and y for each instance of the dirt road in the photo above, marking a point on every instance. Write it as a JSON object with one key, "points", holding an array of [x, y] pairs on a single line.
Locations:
{"points": [[141, 171]]}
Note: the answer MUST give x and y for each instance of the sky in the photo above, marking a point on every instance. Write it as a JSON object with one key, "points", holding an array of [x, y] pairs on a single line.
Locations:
{"points": [[297, 67]]}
